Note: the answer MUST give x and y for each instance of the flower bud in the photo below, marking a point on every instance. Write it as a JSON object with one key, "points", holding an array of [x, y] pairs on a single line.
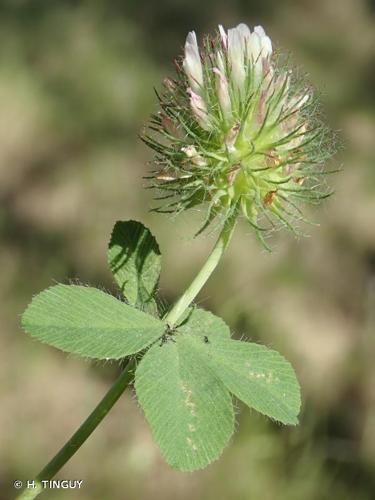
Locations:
{"points": [[194, 156], [169, 84], [231, 136], [168, 124]]}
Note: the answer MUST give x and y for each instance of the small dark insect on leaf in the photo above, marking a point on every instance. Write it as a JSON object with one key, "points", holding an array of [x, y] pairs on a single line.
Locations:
{"points": [[163, 340], [205, 339], [168, 336]]}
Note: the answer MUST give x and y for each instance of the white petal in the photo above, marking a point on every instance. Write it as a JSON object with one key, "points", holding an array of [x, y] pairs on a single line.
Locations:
{"points": [[259, 48], [259, 30], [261, 44], [266, 46], [244, 30], [254, 47], [234, 41], [236, 53]]}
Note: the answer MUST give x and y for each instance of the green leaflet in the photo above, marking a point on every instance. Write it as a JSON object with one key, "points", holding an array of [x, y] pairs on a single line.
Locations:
{"points": [[183, 385], [135, 261], [89, 322], [189, 410], [202, 323], [260, 377]]}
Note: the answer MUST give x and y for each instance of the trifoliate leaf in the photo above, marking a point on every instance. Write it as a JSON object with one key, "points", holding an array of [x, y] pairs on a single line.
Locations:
{"points": [[189, 410], [89, 322], [135, 261], [260, 377]]}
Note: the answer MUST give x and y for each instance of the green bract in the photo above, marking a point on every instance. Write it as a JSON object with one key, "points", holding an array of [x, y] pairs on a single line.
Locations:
{"points": [[236, 130]]}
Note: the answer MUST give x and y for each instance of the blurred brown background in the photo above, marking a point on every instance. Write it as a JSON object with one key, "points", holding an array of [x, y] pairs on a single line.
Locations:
{"points": [[76, 84]]}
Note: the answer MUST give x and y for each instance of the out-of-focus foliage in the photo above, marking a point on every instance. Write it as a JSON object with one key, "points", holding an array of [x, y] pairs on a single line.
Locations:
{"points": [[76, 84]]}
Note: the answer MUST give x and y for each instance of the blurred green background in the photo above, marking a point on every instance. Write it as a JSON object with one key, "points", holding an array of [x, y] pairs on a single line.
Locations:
{"points": [[76, 85]]}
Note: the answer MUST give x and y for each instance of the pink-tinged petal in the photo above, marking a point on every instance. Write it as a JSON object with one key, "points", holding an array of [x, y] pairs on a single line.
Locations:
{"points": [[268, 73], [223, 93], [199, 109], [168, 124], [261, 112], [259, 50], [223, 36], [192, 63]]}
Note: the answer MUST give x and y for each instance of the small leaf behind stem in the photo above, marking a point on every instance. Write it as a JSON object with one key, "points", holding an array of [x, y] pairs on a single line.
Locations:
{"points": [[135, 261]]}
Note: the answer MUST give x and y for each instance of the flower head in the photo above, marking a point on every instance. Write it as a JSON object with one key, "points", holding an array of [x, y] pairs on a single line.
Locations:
{"points": [[238, 132]]}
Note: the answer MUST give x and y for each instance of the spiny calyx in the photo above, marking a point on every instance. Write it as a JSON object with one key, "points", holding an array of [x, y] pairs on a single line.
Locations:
{"points": [[238, 131]]}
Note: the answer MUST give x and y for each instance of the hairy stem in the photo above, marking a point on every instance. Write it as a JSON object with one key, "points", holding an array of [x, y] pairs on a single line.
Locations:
{"points": [[97, 415], [198, 282], [84, 431]]}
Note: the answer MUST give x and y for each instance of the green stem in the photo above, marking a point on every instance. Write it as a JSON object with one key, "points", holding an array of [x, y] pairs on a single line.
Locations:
{"points": [[208, 267], [97, 415], [84, 431]]}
